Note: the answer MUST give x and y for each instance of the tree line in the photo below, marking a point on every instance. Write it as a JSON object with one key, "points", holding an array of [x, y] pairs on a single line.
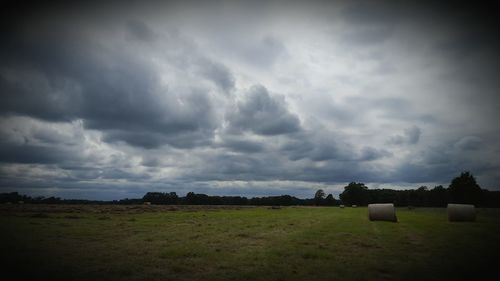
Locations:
{"points": [[192, 198], [462, 189]]}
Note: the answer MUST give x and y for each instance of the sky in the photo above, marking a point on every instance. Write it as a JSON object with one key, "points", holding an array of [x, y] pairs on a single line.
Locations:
{"points": [[248, 98]]}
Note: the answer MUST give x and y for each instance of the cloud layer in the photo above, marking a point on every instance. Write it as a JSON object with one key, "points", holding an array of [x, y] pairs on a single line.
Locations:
{"points": [[238, 98]]}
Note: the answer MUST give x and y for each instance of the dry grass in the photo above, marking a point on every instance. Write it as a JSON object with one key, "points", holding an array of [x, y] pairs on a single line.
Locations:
{"points": [[82, 242]]}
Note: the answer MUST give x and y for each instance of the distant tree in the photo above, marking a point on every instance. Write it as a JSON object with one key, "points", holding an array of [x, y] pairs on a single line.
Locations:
{"points": [[190, 198], [330, 201], [14, 197], [438, 196], [160, 198], [381, 196], [491, 198], [197, 199], [464, 189], [355, 193], [418, 197], [318, 197]]}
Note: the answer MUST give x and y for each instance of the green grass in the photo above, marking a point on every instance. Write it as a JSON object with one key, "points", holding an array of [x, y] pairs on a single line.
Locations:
{"points": [[247, 244]]}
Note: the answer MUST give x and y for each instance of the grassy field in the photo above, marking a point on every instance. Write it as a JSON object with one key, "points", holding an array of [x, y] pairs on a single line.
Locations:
{"points": [[216, 243]]}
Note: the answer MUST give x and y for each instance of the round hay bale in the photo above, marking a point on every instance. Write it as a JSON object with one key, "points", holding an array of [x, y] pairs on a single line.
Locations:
{"points": [[342, 206], [382, 212], [461, 212], [354, 206]]}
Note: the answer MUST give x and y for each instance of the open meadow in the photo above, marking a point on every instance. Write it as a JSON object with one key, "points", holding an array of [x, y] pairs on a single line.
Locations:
{"points": [[110, 242]]}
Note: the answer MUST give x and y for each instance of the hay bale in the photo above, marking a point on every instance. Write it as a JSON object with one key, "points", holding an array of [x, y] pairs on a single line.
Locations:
{"points": [[354, 206], [342, 206], [461, 212], [382, 212], [147, 203]]}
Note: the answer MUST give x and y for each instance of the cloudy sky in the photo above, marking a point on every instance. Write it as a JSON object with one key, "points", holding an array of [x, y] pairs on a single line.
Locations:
{"points": [[246, 98]]}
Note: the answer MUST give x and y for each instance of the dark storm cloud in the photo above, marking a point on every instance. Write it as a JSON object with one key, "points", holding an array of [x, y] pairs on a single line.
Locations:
{"points": [[270, 166], [464, 28], [320, 146], [370, 154], [217, 73], [239, 144], [33, 154], [413, 134], [390, 108], [367, 35], [440, 172], [371, 22], [151, 139], [26, 142], [465, 44], [71, 188], [372, 13], [145, 140], [36, 75], [440, 163], [140, 31], [36, 151], [297, 150], [410, 136], [263, 114], [334, 172], [324, 151], [241, 166], [469, 143], [315, 148], [65, 77], [416, 173]]}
